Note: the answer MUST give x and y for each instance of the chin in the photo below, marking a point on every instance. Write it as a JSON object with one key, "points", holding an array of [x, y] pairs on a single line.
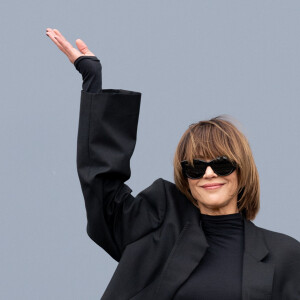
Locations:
{"points": [[214, 203]]}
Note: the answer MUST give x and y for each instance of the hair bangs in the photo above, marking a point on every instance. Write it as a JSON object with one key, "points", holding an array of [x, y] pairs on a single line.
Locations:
{"points": [[207, 140]]}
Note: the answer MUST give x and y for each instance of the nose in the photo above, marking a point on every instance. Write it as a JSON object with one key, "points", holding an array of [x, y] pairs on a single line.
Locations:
{"points": [[209, 173]]}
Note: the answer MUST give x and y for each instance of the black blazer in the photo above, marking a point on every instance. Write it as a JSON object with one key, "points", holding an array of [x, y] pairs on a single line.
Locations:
{"points": [[157, 236]]}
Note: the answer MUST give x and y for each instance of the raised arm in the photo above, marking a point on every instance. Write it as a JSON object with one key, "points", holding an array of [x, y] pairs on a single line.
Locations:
{"points": [[106, 139]]}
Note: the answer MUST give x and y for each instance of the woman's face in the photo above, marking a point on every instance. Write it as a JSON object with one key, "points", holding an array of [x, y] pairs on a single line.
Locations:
{"points": [[216, 195]]}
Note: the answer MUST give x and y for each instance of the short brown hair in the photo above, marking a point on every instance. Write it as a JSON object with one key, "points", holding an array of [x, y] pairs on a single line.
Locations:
{"points": [[217, 137]]}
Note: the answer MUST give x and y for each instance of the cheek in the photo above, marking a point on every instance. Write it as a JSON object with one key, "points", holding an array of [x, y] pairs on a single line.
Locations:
{"points": [[192, 184], [197, 192]]}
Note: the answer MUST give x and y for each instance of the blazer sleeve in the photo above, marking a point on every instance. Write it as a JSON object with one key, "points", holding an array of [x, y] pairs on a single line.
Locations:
{"points": [[106, 139]]}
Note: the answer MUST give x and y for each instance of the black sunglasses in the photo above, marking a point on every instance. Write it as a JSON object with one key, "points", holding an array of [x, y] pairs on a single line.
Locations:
{"points": [[222, 166]]}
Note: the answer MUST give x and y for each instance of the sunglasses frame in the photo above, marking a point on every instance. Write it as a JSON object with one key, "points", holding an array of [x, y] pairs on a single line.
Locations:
{"points": [[211, 163]]}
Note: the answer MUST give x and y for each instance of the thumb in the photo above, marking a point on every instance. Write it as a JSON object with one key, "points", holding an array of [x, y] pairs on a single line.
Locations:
{"points": [[83, 48]]}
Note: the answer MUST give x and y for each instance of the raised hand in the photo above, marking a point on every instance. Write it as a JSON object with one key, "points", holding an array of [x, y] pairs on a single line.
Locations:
{"points": [[71, 52]]}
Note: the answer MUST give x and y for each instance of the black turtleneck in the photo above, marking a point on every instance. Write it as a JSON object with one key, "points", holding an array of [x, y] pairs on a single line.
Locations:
{"points": [[219, 273]]}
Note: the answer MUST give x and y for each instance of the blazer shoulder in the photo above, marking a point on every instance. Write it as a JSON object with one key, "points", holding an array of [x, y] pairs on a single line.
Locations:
{"points": [[156, 195], [163, 188], [171, 187], [160, 190], [281, 242], [167, 184], [279, 236], [173, 192]]}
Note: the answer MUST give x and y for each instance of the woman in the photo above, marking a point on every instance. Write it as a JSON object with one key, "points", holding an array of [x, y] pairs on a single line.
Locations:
{"points": [[190, 240]]}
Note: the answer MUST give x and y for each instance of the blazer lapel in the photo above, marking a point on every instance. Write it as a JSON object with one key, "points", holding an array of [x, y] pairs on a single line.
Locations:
{"points": [[187, 252], [190, 247], [257, 278]]}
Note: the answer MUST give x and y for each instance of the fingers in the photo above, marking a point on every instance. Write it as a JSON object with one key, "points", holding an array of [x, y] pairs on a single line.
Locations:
{"points": [[50, 33], [57, 32], [83, 48], [53, 37], [62, 43]]}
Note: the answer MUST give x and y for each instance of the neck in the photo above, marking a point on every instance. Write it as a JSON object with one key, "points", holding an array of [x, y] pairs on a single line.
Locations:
{"points": [[218, 211]]}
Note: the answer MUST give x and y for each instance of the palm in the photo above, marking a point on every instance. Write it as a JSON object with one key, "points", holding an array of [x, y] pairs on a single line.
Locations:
{"points": [[71, 52]]}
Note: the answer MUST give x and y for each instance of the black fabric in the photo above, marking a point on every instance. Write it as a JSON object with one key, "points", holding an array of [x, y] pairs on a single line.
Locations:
{"points": [[91, 70], [158, 236], [219, 273]]}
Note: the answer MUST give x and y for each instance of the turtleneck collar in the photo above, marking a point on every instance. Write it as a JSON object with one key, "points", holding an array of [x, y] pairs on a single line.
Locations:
{"points": [[218, 226], [220, 218]]}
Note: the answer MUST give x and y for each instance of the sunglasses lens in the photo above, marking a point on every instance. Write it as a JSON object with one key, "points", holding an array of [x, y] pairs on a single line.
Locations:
{"points": [[197, 171], [223, 167]]}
